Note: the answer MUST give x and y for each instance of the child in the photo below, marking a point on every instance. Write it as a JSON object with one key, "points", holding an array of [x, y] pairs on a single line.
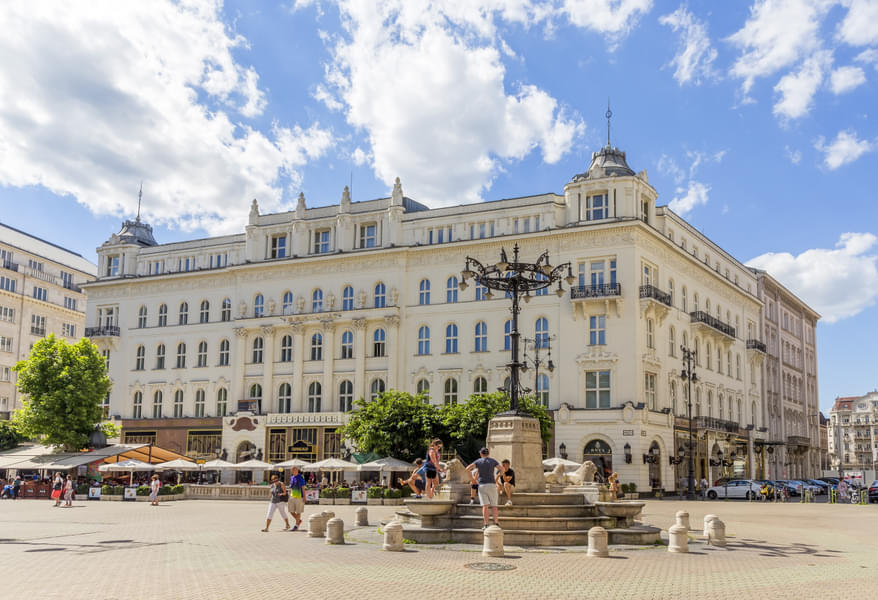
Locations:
{"points": [[416, 480]]}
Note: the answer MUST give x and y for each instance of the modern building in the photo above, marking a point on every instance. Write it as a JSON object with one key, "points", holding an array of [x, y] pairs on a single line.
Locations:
{"points": [[261, 341], [853, 433], [39, 294]]}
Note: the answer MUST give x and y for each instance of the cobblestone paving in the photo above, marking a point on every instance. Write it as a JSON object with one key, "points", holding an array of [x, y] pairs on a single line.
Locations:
{"points": [[213, 550]]}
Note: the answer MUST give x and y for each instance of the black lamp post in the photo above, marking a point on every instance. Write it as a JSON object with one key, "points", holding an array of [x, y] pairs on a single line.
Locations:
{"points": [[518, 279], [536, 361], [720, 462], [688, 375], [652, 457], [562, 450], [627, 449]]}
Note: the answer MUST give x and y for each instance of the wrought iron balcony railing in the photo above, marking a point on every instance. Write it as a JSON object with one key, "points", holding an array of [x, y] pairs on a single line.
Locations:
{"points": [[106, 330], [8, 264], [650, 291], [603, 290], [699, 316], [756, 345]]}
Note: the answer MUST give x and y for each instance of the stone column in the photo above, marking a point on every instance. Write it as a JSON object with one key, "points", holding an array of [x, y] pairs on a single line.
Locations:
{"points": [[238, 358], [359, 358], [268, 395], [328, 363], [393, 351], [298, 365]]}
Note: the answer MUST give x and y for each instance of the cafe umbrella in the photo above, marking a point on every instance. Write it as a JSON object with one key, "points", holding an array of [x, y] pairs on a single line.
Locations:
{"points": [[130, 466]]}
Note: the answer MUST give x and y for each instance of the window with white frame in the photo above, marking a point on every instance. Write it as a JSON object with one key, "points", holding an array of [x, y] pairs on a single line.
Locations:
{"points": [[597, 330], [481, 292], [451, 339], [317, 347], [181, 355], [317, 300], [451, 289], [439, 235], [204, 312], [285, 398], [157, 405], [222, 402], [287, 303], [376, 389], [597, 389], [649, 390], [113, 262], [315, 393], [224, 353], [139, 358], [423, 387], [218, 260], [368, 235], [278, 246], [141, 317], [5, 374], [423, 340], [321, 241], [160, 356], [541, 333], [137, 406], [7, 283], [380, 295], [543, 390], [450, 395], [259, 306], [286, 348], [183, 314], [258, 345], [5, 344], [68, 330], [378, 343], [597, 207], [41, 293], [480, 385], [650, 334], [345, 396], [199, 403], [347, 298], [226, 310], [481, 337], [7, 314], [424, 292], [201, 355], [38, 325], [69, 303]]}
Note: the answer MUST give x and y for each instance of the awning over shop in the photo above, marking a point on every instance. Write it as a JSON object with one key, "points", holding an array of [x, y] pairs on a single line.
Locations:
{"points": [[37, 457]]}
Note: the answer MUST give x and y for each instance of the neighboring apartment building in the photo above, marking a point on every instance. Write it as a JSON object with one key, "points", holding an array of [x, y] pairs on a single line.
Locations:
{"points": [[853, 433], [789, 376], [39, 294], [262, 341]]}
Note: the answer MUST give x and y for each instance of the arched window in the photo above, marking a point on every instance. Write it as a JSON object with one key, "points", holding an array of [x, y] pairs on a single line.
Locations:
{"points": [[184, 313], [315, 392], [481, 337], [423, 387], [480, 385], [599, 453], [650, 334], [317, 300], [380, 296], [672, 342], [671, 290], [163, 315], [697, 402], [719, 403], [199, 403], [256, 398], [738, 366], [541, 332], [137, 409], [709, 403], [424, 292], [224, 353], [258, 346], [450, 391], [451, 288], [347, 298], [543, 390], [542, 291], [345, 396], [376, 389], [181, 355], [685, 304], [259, 306], [347, 344], [201, 357], [378, 344], [287, 303], [451, 339], [204, 312], [157, 405], [160, 356], [729, 363], [141, 317], [698, 351], [286, 348], [222, 402], [672, 393], [316, 347], [226, 310], [423, 340], [139, 358], [285, 398], [507, 335], [482, 292], [708, 356]]}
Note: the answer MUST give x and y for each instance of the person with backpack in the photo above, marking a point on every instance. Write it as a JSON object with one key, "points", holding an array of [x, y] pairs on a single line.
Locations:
{"points": [[57, 486], [279, 498]]}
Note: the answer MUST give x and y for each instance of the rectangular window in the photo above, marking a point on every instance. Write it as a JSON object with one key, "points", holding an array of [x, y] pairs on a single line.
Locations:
{"points": [[156, 267], [185, 264], [4, 374], [35, 265], [5, 344], [112, 266], [7, 283], [597, 389], [597, 330], [278, 246], [596, 207], [66, 279], [219, 260], [37, 325], [649, 390], [69, 303], [40, 293], [368, 235], [7, 314], [68, 330], [321, 241]]}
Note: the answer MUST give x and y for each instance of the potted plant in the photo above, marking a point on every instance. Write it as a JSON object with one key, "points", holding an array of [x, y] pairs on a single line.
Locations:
{"points": [[392, 497], [375, 495], [631, 494], [343, 495], [327, 495]]}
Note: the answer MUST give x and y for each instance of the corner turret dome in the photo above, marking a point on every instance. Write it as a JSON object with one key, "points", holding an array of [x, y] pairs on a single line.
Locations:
{"points": [[609, 161], [134, 232]]}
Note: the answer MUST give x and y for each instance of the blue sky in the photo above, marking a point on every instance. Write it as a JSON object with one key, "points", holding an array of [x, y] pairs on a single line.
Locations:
{"points": [[751, 118]]}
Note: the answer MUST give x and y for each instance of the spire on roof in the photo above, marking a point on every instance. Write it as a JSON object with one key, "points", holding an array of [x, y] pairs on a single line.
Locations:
{"points": [[609, 116]]}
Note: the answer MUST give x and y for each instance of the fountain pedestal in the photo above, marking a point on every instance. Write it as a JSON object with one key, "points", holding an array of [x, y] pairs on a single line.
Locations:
{"points": [[517, 438]]}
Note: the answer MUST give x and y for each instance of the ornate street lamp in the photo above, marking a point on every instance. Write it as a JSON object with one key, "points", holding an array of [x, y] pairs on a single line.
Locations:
{"points": [[538, 344], [676, 460], [688, 375], [518, 279]]}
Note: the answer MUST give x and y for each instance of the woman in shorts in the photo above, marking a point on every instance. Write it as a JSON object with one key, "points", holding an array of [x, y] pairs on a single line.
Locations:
{"points": [[432, 467]]}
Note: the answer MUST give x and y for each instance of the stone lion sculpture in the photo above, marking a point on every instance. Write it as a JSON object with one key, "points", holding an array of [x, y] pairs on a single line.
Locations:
{"points": [[584, 474], [455, 472], [556, 475]]}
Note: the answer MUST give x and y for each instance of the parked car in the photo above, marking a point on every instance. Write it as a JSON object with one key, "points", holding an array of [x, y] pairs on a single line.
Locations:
{"points": [[824, 486], [830, 480], [788, 486], [813, 489], [873, 492], [736, 488]]}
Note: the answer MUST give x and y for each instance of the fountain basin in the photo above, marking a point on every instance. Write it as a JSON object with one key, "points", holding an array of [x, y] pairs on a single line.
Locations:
{"points": [[428, 508]]}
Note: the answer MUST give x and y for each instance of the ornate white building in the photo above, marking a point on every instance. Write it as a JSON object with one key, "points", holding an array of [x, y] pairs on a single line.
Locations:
{"points": [[853, 433], [261, 341]]}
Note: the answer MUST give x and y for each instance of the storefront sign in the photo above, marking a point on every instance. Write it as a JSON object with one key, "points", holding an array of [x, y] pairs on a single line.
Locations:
{"points": [[358, 496], [329, 419], [300, 447], [94, 493], [129, 494], [627, 432], [312, 495]]}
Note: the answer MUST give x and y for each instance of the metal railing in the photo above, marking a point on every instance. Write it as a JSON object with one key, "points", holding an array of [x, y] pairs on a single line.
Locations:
{"points": [[8, 264], [602, 290], [41, 275], [69, 285], [699, 316], [756, 345], [715, 424], [650, 291], [106, 330]]}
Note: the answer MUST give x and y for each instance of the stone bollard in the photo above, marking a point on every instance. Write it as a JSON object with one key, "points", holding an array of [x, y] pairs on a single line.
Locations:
{"points": [[597, 542], [328, 514], [678, 539], [393, 536], [335, 531], [683, 519], [716, 533], [493, 545], [707, 520], [362, 517], [316, 525]]}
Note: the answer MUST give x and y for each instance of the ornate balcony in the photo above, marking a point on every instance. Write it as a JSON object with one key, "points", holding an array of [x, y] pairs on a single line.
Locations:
{"points": [[756, 345], [654, 302], [8, 264], [601, 294], [104, 331], [650, 291], [798, 443], [713, 326]]}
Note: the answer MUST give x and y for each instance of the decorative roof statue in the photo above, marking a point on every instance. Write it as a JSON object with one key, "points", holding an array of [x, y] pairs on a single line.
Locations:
{"points": [[254, 212], [396, 197], [300, 206]]}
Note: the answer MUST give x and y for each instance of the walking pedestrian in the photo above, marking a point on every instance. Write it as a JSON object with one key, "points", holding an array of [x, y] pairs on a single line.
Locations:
{"points": [[279, 499], [68, 492], [57, 486], [506, 481], [432, 467], [155, 485], [488, 469], [16, 487], [297, 497], [704, 487]]}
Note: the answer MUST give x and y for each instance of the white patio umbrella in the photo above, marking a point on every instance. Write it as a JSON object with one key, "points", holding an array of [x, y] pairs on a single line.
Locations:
{"points": [[553, 462], [217, 464], [130, 466], [251, 465], [386, 464], [293, 462], [178, 464], [331, 464]]}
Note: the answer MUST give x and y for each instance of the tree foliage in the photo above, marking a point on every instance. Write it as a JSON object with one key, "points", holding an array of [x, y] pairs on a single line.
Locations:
{"points": [[9, 435], [64, 384]]}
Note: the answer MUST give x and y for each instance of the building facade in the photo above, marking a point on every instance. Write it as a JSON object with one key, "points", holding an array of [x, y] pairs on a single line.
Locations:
{"points": [[853, 433], [40, 294], [259, 343]]}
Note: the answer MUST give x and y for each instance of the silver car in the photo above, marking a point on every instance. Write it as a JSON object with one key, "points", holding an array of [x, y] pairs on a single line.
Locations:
{"points": [[736, 488]]}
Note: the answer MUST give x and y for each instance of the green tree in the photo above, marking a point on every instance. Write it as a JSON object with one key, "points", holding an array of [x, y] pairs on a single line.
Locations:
{"points": [[65, 384], [9, 435], [394, 424], [466, 425]]}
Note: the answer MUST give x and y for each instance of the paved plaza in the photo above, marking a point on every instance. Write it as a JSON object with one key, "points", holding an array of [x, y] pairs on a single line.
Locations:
{"points": [[213, 549]]}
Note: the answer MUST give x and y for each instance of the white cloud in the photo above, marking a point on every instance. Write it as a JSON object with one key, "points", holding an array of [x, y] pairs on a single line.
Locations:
{"points": [[778, 34], [426, 83], [613, 18], [794, 156], [846, 79], [696, 194], [860, 25], [668, 166], [694, 58], [868, 56], [797, 89], [844, 149], [107, 95], [360, 156], [838, 283]]}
